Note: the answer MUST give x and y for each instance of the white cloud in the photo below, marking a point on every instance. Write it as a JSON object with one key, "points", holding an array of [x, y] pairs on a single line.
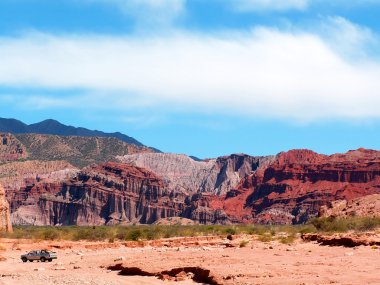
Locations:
{"points": [[264, 73], [265, 5], [286, 5], [149, 12]]}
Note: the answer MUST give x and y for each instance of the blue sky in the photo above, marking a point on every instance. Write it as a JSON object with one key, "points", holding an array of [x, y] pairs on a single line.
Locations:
{"points": [[205, 78]]}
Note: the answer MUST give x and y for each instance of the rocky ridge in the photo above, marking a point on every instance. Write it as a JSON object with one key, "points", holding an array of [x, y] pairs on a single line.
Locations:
{"points": [[53, 127], [289, 188], [78, 151], [298, 183], [111, 193], [18, 174], [183, 174]]}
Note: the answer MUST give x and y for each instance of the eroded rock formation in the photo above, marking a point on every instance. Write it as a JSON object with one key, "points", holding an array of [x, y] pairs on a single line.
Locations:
{"points": [[297, 183], [15, 175], [215, 176], [105, 194], [367, 206], [5, 221], [344, 239], [290, 188]]}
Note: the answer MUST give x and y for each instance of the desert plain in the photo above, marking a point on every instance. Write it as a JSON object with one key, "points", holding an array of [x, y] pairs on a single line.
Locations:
{"points": [[191, 260]]}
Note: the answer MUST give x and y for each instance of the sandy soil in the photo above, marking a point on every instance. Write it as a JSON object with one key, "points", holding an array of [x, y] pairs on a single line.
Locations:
{"points": [[256, 263]]}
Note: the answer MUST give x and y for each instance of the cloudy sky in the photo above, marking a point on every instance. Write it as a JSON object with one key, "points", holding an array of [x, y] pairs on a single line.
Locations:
{"points": [[201, 77]]}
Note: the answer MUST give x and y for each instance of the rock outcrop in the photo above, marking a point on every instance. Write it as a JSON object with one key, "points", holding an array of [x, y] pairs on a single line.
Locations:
{"points": [[18, 174], [5, 221], [344, 239], [367, 206], [184, 174], [290, 188], [11, 149], [111, 193], [298, 183]]}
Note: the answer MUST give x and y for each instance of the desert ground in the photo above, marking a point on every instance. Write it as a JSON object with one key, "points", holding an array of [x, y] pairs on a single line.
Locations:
{"points": [[208, 260]]}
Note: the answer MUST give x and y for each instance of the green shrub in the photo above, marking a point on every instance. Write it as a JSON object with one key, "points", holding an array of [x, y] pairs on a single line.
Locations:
{"points": [[230, 231], [134, 235]]}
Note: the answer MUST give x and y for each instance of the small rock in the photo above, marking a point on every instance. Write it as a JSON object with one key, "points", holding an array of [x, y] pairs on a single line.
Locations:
{"points": [[290, 249], [121, 258], [39, 269]]}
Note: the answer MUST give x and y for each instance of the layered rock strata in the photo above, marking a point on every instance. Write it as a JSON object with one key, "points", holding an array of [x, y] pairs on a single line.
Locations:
{"points": [[5, 221], [367, 206], [294, 187], [184, 174], [290, 188], [106, 194]]}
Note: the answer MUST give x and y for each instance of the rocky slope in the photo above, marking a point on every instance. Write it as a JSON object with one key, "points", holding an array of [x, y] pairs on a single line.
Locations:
{"points": [[79, 151], [294, 187], [15, 175], [5, 221], [105, 194], [367, 206], [11, 149], [184, 174]]}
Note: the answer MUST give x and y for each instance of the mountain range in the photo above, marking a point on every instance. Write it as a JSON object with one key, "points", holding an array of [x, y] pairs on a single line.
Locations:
{"points": [[55, 179], [53, 127]]}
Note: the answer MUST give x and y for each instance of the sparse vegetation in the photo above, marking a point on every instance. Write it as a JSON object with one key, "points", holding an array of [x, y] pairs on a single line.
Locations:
{"points": [[265, 233], [332, 224], [289, 239]]}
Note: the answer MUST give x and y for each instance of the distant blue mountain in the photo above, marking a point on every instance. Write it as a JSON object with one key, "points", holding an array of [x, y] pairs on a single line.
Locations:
{"points": [[53, 127]]}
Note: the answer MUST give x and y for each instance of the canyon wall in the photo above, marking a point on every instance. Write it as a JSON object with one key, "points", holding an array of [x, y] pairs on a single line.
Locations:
{"points": [[297, 183], [109, 194], [289, 188], [183, 174]]}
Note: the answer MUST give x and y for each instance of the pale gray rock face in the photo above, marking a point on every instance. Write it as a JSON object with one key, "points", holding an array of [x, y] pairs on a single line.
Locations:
{"points": [[182, 173], [5, 221]]}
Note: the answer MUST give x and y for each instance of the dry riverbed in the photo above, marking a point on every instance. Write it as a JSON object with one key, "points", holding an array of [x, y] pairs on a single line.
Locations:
{"points": [[183, 261]]}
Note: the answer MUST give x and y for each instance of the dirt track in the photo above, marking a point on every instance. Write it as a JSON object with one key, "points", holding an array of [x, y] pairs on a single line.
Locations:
{"points": [[257, 263]]}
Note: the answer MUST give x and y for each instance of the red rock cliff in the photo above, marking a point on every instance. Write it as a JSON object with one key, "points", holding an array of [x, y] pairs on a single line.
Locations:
{"points": [[105, 194], [299, 182]]}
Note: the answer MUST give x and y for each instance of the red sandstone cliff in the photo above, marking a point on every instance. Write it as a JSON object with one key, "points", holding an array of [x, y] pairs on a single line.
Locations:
{"points": [[294, 187], [105, 194], [289, 189]]}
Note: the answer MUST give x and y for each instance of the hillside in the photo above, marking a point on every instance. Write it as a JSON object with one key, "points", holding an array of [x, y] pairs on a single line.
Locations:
{"points": [[53, 127], [78, 151]]}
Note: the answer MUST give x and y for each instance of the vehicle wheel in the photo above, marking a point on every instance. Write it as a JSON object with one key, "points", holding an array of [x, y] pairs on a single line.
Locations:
{"points": [[50, 260], [24, 259], [43, 259], [30, 260]]}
